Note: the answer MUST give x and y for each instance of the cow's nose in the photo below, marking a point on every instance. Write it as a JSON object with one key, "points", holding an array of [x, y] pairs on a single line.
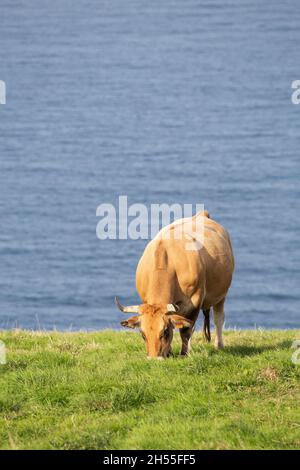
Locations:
{"points": [[158, 358]]}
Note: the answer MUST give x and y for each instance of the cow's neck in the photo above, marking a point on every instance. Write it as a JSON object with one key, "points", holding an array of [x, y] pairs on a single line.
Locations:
{"points": [[161, 288]]}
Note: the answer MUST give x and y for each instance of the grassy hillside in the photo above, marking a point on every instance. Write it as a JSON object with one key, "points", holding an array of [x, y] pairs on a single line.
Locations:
{"points": [[98, 391]]}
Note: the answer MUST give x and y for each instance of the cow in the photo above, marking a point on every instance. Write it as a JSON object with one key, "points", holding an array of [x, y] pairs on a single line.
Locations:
{"points": [[176, 277]]}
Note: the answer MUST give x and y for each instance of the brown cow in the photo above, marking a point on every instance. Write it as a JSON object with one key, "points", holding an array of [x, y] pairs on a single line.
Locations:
{"points": [[176, 277]]}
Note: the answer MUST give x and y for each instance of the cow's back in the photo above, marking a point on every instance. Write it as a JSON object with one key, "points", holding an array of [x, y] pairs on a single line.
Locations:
{"points": [[195, 266]]}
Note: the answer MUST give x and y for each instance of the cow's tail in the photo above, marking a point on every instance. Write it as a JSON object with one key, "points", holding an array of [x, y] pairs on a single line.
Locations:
{"points": [[206, 325]]}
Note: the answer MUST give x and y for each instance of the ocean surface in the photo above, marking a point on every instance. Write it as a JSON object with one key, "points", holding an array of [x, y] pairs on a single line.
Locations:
{"points": [[162, 101]]}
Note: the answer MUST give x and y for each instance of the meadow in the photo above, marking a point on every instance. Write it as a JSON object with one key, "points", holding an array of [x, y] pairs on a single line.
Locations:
{"points": [[98, 391]]}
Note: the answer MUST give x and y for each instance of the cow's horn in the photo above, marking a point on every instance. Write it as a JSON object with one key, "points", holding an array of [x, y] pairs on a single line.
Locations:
{"points": [[171, 308], [131, 309]]}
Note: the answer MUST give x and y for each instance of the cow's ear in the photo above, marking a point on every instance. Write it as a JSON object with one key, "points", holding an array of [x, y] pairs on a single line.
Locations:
{"points": [[180, 322], [132, 322]]}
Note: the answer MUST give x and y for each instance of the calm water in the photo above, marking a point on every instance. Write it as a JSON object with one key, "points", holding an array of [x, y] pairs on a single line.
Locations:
{"points": [[170, 101]]}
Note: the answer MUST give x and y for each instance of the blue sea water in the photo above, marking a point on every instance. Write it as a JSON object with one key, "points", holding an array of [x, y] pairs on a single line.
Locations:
{"points": [[163, 101]]}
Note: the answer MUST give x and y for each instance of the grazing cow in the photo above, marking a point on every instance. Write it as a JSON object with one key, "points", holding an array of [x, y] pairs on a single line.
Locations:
{"points": [[175, 280]]}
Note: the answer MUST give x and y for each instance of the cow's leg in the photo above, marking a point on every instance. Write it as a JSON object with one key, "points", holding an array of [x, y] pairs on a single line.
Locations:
{"points": [[186, 335], [219, 322], [191, 311]]}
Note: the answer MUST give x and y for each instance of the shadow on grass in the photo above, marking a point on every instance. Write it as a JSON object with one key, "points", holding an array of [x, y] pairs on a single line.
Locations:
{"points": [[245, 350]]}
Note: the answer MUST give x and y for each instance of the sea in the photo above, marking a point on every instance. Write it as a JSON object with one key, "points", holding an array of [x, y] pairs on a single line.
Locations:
{"points": [[164, 102]]}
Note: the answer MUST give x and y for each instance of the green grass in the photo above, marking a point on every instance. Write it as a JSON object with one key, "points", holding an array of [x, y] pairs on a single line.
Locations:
{"points": [[98, 391]]}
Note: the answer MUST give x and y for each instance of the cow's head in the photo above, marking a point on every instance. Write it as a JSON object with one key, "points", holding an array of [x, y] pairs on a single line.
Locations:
{"points": [[156, 323]]}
